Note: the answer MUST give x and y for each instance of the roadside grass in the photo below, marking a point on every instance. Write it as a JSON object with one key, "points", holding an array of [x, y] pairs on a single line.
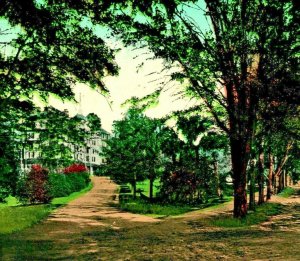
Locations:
{"points": [[15, 217], [140, 206], [287, 192], [261, 214]]}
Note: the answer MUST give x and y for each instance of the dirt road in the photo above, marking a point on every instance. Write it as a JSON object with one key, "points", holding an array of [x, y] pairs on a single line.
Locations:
{"points": [[90, 228]]}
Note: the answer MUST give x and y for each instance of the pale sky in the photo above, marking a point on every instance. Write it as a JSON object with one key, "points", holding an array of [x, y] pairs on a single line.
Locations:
{"points": [[127, 84]]}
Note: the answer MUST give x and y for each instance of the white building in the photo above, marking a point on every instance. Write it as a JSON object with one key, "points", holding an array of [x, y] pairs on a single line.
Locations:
{"points": [[87, 154]]}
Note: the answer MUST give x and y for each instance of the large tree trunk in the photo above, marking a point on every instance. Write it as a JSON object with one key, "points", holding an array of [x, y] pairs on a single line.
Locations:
{"points": [[239, 158], [270, 175], [261, 177]]}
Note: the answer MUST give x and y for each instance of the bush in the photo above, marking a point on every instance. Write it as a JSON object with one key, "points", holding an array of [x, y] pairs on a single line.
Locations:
{"points": [[59, 185], [75, 168], [77, 181], [34, 187], [39, 187], [5, 179]]}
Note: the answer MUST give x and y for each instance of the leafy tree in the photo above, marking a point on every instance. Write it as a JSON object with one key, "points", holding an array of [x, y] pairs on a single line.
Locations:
{"points": [[134, 151], [46, 47], [247, 53]]}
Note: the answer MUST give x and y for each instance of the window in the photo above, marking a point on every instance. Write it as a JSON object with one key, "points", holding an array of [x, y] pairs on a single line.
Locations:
{"points": [[31, 135], [87, 150], [93, 159], [87, 158]]}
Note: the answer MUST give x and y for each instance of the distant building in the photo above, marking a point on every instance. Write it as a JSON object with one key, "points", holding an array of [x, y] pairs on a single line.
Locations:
{"points": [[87, 153]]}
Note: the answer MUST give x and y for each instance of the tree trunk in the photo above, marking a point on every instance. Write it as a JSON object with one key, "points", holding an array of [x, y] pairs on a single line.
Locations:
{"points": [[252, 187], [270, 175], [261, 177], [216, 174], [134, 186], [279, 183], [239, 158], [151, 179], [197, 156]]}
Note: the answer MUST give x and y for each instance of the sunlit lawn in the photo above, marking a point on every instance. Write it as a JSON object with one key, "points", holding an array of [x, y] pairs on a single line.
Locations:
{"points": [[14, 217], [145, 186]]}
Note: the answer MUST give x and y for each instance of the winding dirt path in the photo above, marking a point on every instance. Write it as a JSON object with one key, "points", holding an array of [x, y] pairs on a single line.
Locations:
{"points": [[91, 228], [95, 208]]}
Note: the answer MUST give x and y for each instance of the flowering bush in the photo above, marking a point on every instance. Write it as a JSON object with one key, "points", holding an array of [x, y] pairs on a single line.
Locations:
{"points": [[75, 168], [34, 186]]}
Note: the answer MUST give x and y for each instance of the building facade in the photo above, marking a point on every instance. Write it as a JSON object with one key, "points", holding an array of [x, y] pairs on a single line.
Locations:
{"points": [[87, 153]]}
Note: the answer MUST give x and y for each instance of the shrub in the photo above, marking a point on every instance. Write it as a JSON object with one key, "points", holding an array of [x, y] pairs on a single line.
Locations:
{"points": [[5, 177], [182, 186], [78, 181], [34, 186], [59, 185], [77, 176], [75, 168]]}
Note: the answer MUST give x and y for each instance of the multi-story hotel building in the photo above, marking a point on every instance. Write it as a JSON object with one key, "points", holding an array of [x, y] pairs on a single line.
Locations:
{"points": [[87, 153]]}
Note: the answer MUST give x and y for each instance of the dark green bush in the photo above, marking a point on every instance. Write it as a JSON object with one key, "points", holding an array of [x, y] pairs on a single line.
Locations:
{"points": [[78, 181], [62, 185], [59, 185]]}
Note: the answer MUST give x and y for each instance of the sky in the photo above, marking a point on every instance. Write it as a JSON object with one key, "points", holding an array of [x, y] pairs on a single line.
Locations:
{"points": [[127, 84]]}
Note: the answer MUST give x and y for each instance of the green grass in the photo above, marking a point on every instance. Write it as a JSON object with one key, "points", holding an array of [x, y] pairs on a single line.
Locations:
{"points": [[142, 207], [261, 214], [145, 185], [19, 217], [287, 192], [15, 217]]}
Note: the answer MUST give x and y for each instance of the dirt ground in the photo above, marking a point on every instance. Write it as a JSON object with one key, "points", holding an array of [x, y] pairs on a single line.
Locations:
{"points": [[90, 228]]}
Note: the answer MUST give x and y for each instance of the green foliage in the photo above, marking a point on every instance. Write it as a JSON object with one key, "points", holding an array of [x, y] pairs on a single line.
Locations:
{"points": [[64, 200], [64, 184], [77, 181], [5, 175], [133, 152], [59, 185]]}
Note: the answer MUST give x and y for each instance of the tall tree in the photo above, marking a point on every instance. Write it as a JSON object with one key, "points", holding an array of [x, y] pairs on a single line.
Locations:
{"points": [[46, 47], [134, 151], [247, 53]]}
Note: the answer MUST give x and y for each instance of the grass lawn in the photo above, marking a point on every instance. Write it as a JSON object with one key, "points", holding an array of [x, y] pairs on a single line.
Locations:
{"points": [[261, 214], [140, 206], [145, 185], [14, 217]]}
